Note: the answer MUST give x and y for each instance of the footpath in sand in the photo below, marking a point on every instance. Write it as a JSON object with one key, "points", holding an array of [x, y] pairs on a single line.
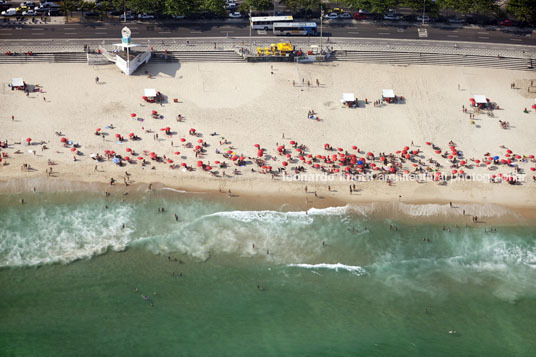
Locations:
{"points": [[266, 104]]}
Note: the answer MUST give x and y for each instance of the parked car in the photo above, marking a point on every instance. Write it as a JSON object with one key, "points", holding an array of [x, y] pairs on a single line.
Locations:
{"points": [[28, 4], [29, 12], [364, 12], [358, 16], [505, 23], [177, 17], [231, 6], [129, 17], [391, 17], [235, 15], [455, 20], [332, 16], [146, 17], [91, 14], [49, 4], [345, 15], [10, 12], [424, 18]]}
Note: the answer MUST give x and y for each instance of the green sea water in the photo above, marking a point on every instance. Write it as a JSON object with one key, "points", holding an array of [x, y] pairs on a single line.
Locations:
{"points": [[228, 279]]}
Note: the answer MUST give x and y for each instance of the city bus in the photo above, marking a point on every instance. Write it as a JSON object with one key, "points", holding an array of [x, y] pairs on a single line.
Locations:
{"points": [[266, 22], [295, 28]]}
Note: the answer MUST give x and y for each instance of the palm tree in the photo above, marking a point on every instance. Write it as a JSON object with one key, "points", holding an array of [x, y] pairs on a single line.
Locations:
{"points": [[67, 7]]}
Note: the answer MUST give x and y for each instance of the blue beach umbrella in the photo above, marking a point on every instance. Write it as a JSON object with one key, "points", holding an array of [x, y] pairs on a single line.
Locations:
{"points": [[116, 160], [495, 158], [360, 162]]}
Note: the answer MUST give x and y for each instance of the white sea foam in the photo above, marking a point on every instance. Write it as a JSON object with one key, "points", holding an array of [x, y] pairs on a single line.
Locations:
{"points": [[357, 270], [62, 235], [432, 209]]}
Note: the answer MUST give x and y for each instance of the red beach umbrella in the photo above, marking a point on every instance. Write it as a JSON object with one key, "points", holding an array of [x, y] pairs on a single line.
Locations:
{"points": [[28, 139], [260, 153], [340, 149], [462, 162], [533, 169], [170, 161], [454, 171], [200, 141], [106, 152], [462, 172], [292, 142], [284, 163], [140, 158], [208, 168], [509, 151], [132, 115], [63, 140], [183, 140], [73, 149], [177, 152], [258, 146], [216, 162], [289, 156], [183, 164], [428, 143], [98, 129], [127, 158], [199, 163], [131, 134], [128, 150], [406, 147], [354, 147], [154, 112], [197, 147], [117, 135]]}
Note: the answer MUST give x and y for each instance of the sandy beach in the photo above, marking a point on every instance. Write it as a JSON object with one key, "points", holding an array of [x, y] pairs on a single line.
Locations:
{"points": [[266, 104]]}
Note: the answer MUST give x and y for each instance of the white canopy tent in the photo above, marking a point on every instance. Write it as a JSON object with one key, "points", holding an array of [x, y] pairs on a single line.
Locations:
{"points": [[388, 93], [480, 99], [348, 97], [149, 92], [17, 82]]}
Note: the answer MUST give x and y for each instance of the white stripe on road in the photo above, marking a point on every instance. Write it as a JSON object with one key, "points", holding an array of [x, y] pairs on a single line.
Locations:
{"points": [[196, 32], [453, 36], [482, 33], [38, 33], [354, 32], [70, 33], [515, 39], [484, 37], [226, 31], [69, 28], [164, 31], [384, 33], [38, 29]]}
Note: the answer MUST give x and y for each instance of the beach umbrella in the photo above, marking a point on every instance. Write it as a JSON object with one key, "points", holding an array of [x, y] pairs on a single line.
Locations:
{"points": [[216, 162], [169, 161], [509, 151], [415, 152], [197, 147], [117, 135], [28, 140], [192, 130], [258, 146], [354, 147], [132, 115], [63, 140], [302, 158], [428, 143], [398, 151], [292, 142], [340, 149], [392, 170], [73, 149], [106, 152], [116, 160], [316, 166], [488, 163], [154, 112], [140, 158], [131, 134], [462, 162], [200, 141], [406, 147], [477, 161], [112, 152], [454, 171], [183, 140], [462, 172], [260, 153], [242, 158], [177, 152], [450, 157], [531, 156], [128, 150], [208, 168], [284, 163], [199, 163], [162, 129], [183, 164], [517, 156], [98, 129], [127, 158], [408, 156], [495, 158], [507, 155], [533, 169]]}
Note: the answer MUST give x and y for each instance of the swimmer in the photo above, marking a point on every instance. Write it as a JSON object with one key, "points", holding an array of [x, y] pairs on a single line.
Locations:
{"points": [[452, 332], [144, 297]]}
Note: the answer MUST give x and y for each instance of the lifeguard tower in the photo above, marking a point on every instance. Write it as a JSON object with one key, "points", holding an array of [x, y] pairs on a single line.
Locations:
{"points": [[126, 54]]}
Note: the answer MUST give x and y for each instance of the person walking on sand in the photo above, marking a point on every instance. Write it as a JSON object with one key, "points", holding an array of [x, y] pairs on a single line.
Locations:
{"points": [[96, 80]]}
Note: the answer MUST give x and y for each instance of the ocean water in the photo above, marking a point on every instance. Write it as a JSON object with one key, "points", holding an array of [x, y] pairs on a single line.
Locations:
{"points": [[81, 274]]}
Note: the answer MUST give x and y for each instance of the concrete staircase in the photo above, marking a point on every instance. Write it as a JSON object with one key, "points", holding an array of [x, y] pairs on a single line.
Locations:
{"points": [[56, 57], [196, 56], [436, 59]]}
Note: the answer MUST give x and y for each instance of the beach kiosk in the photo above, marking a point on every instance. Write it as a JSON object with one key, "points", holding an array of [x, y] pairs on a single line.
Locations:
{"points": [[349, 100], [388, 95], [17, 83], [479, 101]]}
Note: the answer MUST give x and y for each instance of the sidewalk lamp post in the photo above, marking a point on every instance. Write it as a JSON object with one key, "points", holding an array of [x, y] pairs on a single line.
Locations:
{"points": [[423, 10], [321, 20], [249, 13]]}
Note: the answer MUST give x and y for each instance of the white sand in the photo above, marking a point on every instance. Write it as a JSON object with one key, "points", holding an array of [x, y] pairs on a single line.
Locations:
{"points": [[247, 105]]}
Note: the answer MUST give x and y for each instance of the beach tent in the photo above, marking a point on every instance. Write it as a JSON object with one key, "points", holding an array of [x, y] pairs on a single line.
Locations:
{"points": [[388, 93], [480, 99], [348, 97], [17, 83], [149, 92]]}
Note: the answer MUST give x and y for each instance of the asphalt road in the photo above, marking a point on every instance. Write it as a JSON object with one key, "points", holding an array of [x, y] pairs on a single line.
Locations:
{"points": [[240, 28]]}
